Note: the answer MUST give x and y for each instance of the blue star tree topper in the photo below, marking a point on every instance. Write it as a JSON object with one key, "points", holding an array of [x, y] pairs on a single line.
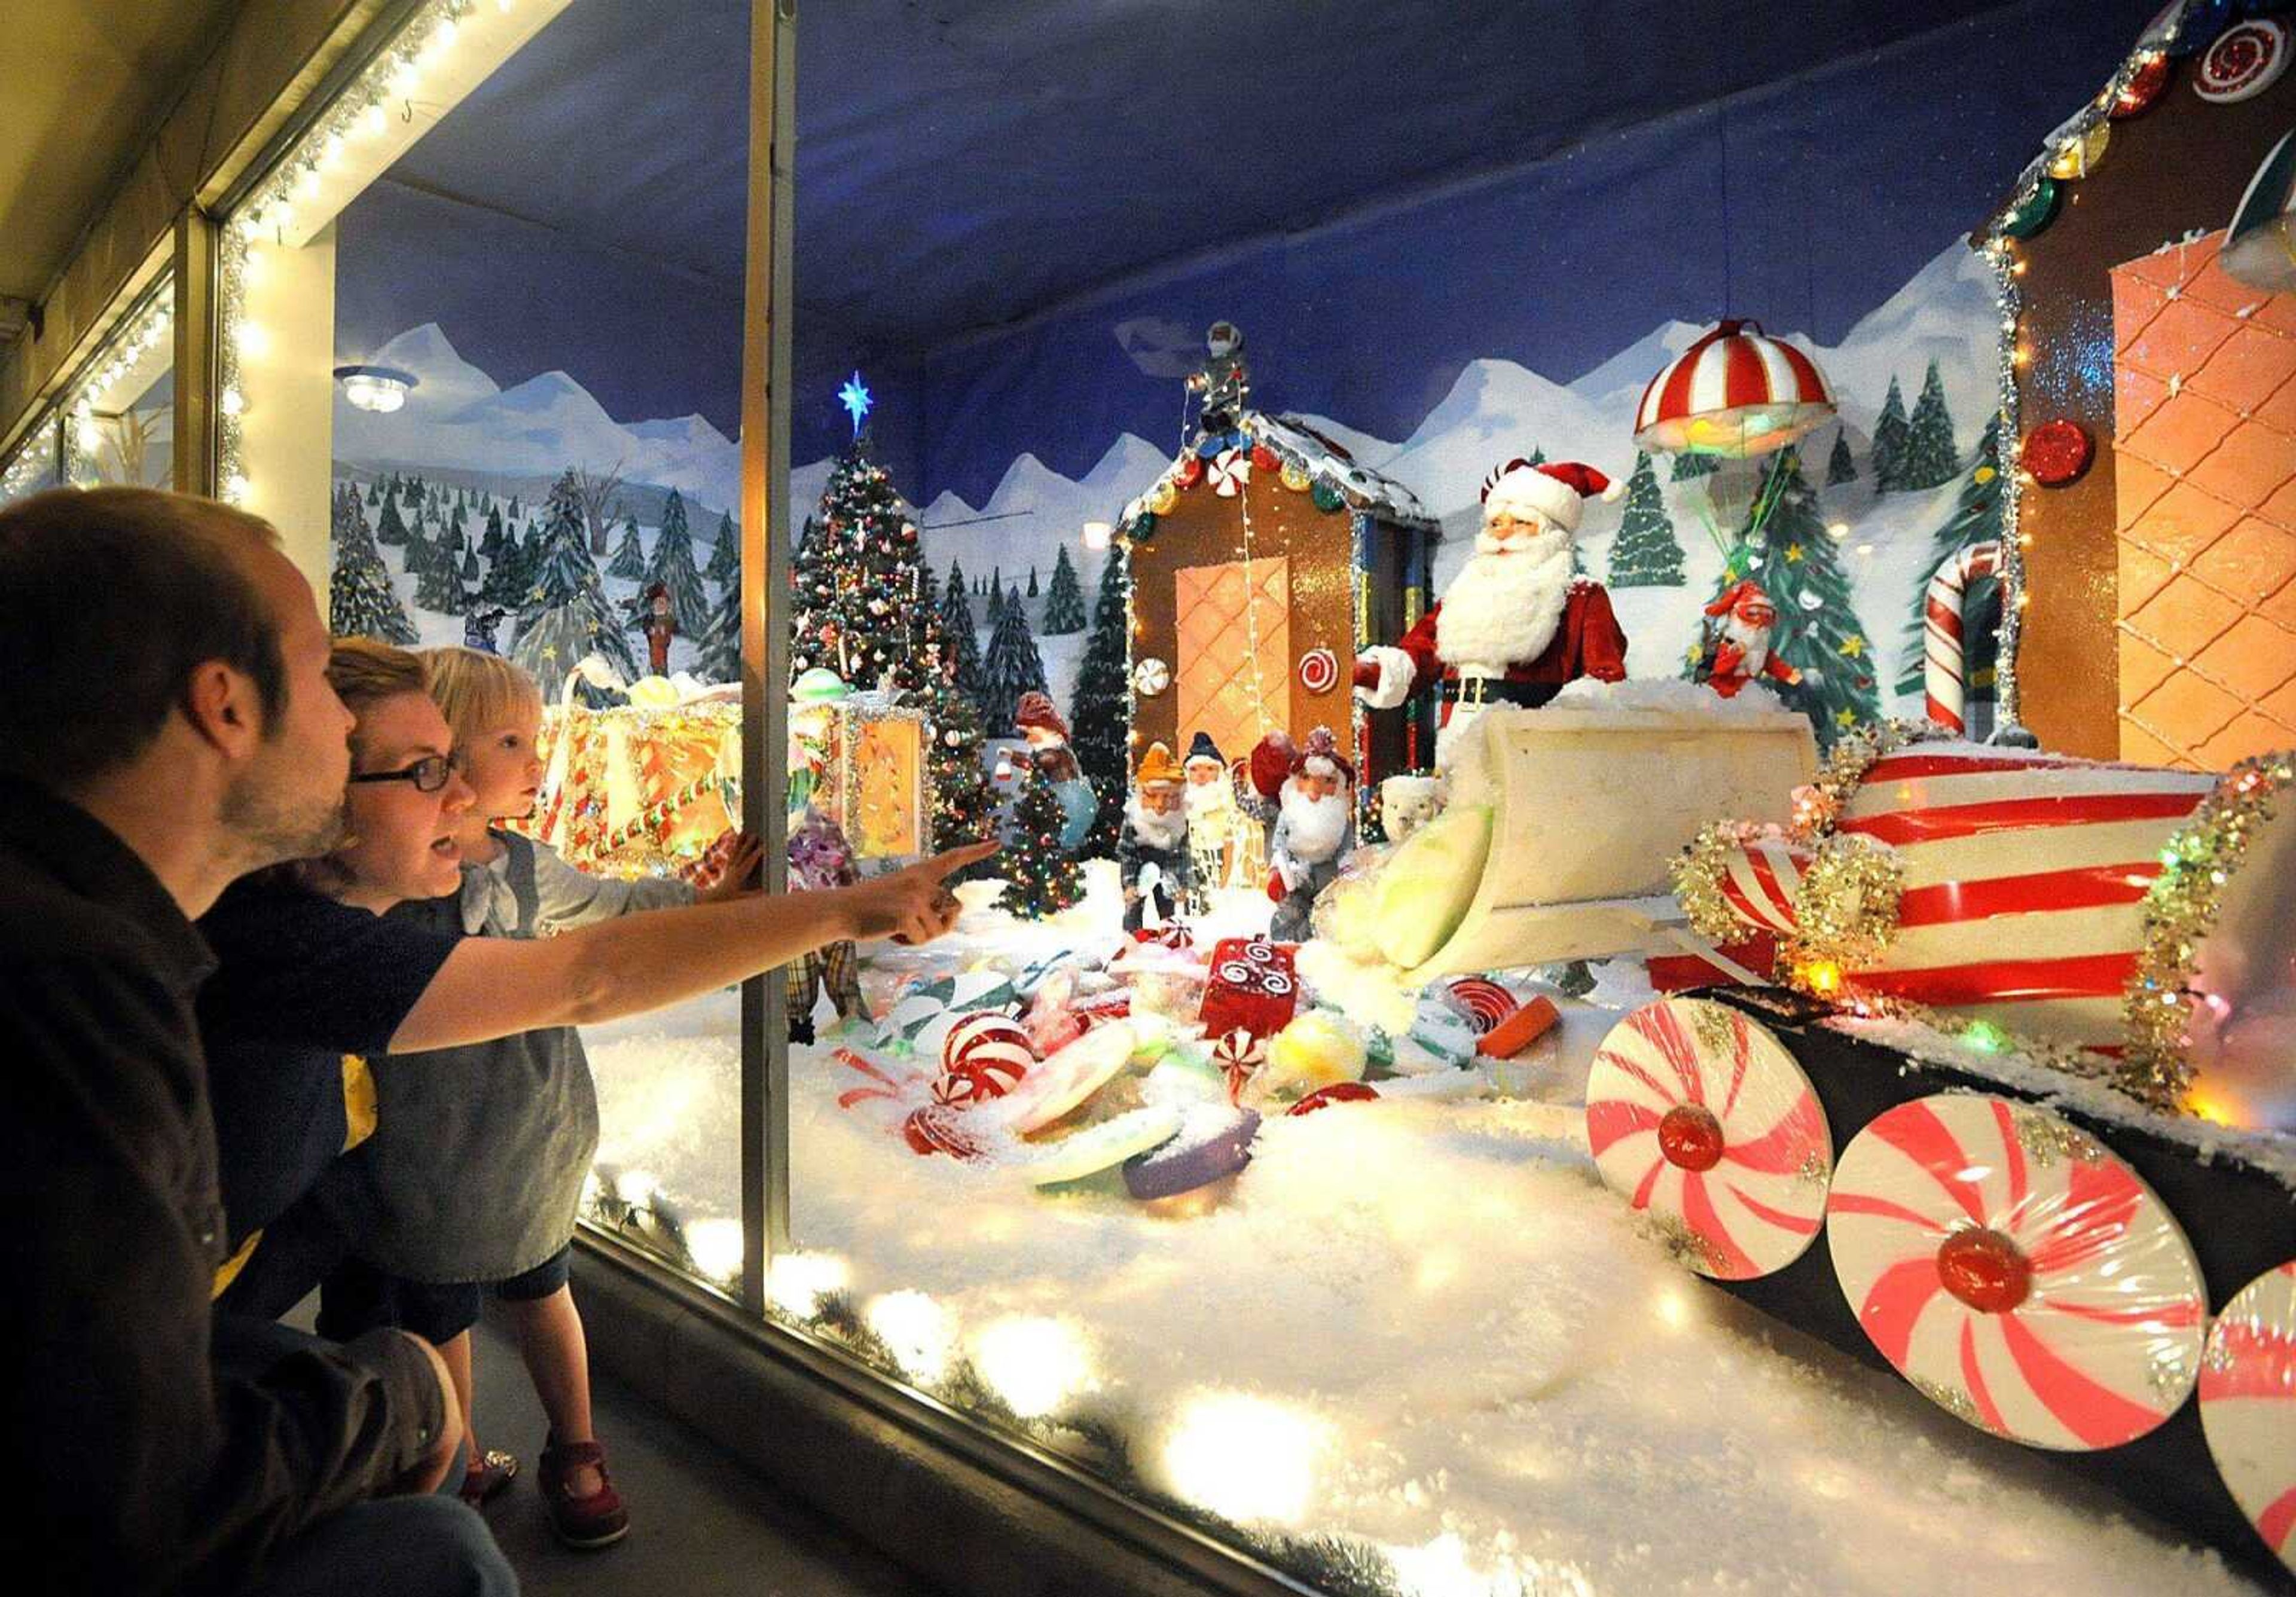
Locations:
{"points": [[855, 397]]}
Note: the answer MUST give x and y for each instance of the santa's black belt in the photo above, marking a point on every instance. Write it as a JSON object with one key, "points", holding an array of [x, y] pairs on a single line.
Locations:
{"points": [[1498, 689]]}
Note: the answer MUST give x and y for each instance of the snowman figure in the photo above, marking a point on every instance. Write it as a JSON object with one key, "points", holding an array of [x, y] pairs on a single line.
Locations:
{"points": [[1741, 640]]}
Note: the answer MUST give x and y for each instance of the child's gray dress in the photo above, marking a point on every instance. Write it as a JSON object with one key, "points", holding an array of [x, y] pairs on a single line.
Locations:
{"points": [[475, 1169]]}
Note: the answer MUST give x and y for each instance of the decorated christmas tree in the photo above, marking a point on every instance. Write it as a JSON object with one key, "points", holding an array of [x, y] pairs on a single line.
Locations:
{"points": [[1687, 465], [1839, 467], [964, 807], [1012, 666], [960, 647], [1064, 600], [719, 646], [566, 615], [360, 600], [859, 585], [1889, 440], [673, 567], [725, 555], [1645, 554], [1040, 878], [1976, 518], [1100, 712], [629, 562], [1818, 632], [1928, 459]]}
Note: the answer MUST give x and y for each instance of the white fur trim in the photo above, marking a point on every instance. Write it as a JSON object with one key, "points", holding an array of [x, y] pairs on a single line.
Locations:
{"points": [[1395, 674], [1502, 610], [1527, 489]]}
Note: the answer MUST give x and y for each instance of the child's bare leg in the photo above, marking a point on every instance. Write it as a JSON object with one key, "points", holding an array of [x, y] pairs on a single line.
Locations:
{"points": [[456, 1351], [558, 1360]]}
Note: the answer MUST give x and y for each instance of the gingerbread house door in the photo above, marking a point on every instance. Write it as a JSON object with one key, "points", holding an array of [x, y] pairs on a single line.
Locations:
{"points": [[1234, 668], [2204, 389]]}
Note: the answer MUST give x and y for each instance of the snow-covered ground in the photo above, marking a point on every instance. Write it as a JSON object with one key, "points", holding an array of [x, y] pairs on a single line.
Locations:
{"points": [[1422, 1325]]}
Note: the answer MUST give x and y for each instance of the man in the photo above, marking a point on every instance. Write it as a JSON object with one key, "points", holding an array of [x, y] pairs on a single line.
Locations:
{"points": [[166, 729], [1314, 830], [1155, 838]]}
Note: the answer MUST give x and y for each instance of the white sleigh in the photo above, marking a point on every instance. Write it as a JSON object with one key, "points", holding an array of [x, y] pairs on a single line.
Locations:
{"points": [[1591, 799]]}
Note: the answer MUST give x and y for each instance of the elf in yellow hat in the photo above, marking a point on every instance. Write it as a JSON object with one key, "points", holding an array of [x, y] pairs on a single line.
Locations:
{"points": [[1155, 841]]}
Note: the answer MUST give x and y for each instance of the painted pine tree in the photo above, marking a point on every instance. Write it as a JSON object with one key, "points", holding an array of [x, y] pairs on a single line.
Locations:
{"points": [[1889, 440], [995, 611], [1929, 459], [960, 640], [720, 658], [1645, 554], [437, 572], [473, 576], [390, 526], [1013, 667], [1976, 518], [1100, 714], [490, 542], [1839, 467], [1063, 599], [1032, 584], [1819, 632], [857, 604], [566, 615], [725, 565], [672, 566], [1687, 466], [1041, 879], [360, 600], [629, 563]]}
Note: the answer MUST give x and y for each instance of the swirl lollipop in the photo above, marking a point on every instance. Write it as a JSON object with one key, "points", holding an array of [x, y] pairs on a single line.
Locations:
{"points": [[2017, 1272]]}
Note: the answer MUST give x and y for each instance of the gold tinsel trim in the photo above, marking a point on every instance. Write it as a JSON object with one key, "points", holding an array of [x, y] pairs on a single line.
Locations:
{"points": [[2179, 913], [1846, 907], [1697, 872], [1817, 807]]}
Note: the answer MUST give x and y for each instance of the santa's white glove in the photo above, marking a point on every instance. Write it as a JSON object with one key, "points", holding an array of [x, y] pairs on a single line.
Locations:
{"points": [[1383, 677], [1294, 874]]}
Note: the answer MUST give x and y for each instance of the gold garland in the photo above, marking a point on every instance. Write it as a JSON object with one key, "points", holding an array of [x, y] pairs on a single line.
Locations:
{"points": [[1817, 807], [2179, 912], [1698, 870], [1845, 906]]}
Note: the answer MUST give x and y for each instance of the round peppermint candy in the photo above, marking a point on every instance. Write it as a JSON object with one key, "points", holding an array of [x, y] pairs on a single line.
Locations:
{"points": [[2017, 1272], [1319, 670], [2247, 59], [983, 1056], [1706, 1123], [2248, 1404], [1150, 677]]}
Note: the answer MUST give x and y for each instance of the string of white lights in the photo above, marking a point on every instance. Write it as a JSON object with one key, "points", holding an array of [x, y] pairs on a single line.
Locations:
{"points": [[93, 403]]}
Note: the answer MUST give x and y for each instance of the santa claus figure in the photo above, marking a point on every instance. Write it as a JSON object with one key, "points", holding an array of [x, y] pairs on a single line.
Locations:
{"points": [[1040, 725], [1314, 830], [1516, 623], [1742, 642], [1216, 825]]}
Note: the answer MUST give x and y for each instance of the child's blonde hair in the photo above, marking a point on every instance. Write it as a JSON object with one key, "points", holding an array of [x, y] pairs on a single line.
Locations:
{"points": [[477, 691]]}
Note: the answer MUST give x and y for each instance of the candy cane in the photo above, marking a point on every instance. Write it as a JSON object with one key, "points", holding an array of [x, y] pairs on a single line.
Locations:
{"points": [[2017, 1272], [1944, 679]]}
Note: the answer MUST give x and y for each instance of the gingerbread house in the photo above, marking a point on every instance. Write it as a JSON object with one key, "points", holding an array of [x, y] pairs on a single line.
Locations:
{"points": [[1261, 563], [2157, 512]]}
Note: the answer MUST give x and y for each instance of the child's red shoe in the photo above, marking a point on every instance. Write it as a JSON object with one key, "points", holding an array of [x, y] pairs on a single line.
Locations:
{"points": [[597, 1520]]}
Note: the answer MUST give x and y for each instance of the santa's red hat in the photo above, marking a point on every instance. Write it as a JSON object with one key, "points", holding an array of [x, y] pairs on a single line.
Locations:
{"points": [[1320, 756], [1745, 599], [1555, 490], [1036, 714]]}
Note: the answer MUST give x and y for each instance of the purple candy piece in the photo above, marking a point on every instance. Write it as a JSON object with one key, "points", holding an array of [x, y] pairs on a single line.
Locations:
{"points": [[1209, 1145]]}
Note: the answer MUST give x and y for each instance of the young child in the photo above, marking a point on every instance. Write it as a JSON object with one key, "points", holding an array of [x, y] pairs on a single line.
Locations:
{"points": [[475, 1171]]}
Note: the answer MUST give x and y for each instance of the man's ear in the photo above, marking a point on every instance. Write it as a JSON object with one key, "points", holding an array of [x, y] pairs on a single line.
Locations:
{"points": [[224, 708]]}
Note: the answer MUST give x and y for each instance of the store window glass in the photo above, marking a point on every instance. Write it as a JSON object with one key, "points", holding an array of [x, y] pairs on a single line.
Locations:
{"points": [[32, 466], [1247, 1145], [120, 422], [481, 364]]}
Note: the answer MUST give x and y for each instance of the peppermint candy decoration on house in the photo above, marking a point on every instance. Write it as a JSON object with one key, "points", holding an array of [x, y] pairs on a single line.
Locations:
{"points": [[1702, 1119], [2248, 1404], [1319, 670], [1231, 469], [1238, 1053], [2017, 1272], [984, 1056], [1482, 1001], [2247, 59], [1150, 677]]}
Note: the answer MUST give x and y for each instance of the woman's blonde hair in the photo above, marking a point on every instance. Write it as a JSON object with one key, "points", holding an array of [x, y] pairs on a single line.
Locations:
{"points": [[477, 691]]}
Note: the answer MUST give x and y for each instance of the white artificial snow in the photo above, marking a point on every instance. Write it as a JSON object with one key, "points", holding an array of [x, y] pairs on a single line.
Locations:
{"points": [[1464, 1351], [1667, 696]]}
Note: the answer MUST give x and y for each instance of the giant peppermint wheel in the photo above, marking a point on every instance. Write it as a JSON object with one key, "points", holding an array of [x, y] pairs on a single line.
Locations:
{"points": [[2248, 1404], [1703, 1121], [2017, 1272]]}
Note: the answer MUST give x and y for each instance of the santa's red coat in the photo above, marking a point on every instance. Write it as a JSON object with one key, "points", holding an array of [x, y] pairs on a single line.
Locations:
{"points": [[1587, 643]]}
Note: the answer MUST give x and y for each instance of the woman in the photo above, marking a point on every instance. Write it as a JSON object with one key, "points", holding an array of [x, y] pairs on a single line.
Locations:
{"points": [[311, 979]]}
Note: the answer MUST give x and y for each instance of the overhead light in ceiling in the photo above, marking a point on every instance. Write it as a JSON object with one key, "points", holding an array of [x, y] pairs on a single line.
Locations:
{"points": [[379, 388]]}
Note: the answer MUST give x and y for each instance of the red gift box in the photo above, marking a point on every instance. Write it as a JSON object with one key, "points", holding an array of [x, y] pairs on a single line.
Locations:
{"points": [[1253, 987]]}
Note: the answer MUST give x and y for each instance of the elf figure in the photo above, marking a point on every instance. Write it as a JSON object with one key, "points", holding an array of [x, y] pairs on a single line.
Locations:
{"points": [[1224, 383], [1047, 737], [659, 625], [1516, 623], [1155, 838], [1216, 825], [1742, 642], [1314, 830]]}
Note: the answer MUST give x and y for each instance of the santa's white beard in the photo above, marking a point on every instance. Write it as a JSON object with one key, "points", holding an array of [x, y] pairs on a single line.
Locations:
{"points": [[1210, 805], [1755, 640], [1313, 828], [1502, 610], [1156, 831]]}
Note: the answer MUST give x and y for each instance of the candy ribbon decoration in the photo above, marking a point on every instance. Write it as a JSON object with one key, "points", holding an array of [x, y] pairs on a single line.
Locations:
{"points": [[2248, 1404], [1703, 1121], [2017, 1272], [1231, 471], [1945, 652]]}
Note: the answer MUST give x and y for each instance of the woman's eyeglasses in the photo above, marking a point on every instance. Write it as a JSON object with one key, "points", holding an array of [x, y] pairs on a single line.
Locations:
{"points": [[428, 774]]}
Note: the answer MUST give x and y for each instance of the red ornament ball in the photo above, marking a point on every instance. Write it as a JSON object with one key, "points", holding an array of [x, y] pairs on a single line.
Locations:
{"points": [[2142, 90], [1190, 472], [1339, 1092], [1264, 459], [2056, 452]]}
